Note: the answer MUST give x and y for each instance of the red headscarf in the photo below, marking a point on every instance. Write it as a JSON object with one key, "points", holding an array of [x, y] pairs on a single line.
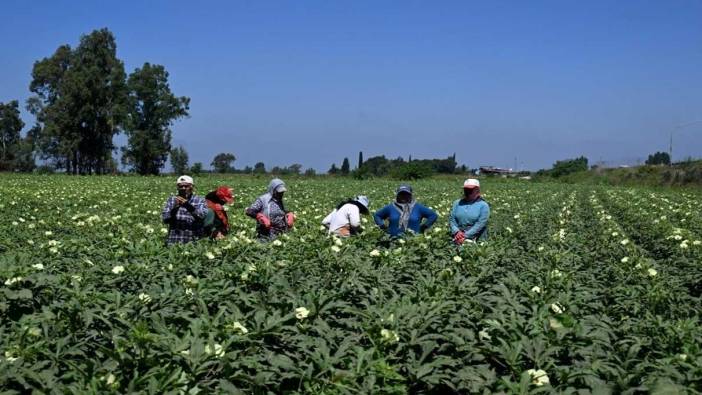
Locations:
{"points": [[224, 194]]}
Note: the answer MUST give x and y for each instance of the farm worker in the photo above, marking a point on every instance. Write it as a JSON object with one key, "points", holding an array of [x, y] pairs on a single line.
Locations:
{"points": [[217, 221], [269, 211], [404, 214], [184, 213], [345, 220], [469, 215]]}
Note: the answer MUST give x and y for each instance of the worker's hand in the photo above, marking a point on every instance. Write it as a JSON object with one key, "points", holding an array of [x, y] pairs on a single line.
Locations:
{"points": [[263, 220], [219, 236], [290, 219], [180, 200], [459, 237]]}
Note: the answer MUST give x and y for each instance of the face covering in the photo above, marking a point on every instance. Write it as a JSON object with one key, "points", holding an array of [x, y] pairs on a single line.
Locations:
{"points": [[471, 194], [405, 211]]}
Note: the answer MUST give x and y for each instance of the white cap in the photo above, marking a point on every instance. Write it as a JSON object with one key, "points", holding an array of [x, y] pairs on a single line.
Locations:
{"points": [[281, 188], [471, 183], [363, 200], [185, 180]]}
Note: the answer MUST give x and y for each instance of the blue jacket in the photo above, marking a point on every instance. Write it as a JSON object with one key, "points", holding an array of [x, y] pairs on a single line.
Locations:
{"points": [[392, 214], [471, 218]]}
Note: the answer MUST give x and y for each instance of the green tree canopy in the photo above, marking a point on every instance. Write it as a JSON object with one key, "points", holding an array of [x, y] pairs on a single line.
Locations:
{"points": [[80, 102], [152, 108], [222, 163], [10, 127], [179, 160]]}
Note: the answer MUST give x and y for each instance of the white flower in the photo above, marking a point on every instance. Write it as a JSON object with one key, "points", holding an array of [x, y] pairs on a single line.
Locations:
{"points": [[164, 231], [457, 259], [76, 278], [556, 273], [110, 379], [48, 233], [189, 279], [13, 280], [484, 335], [210, 255], [375, 253], [684, 245], [36, 332], [696, 242], [218, 350], [9, 357], [536, 290], [277, 243], [615, 234], [335, 248], [53, 250], [338, 242], [508, 229], [402, 241], [624, 260], [301, 313], [538, 377], [516, 216], [322, 227], [144, 297], [652, 272], [683, 357], [557, 308], [541, 248], [389, 336], [624, 242], [118, 269], [237, 326], [38, 266]]}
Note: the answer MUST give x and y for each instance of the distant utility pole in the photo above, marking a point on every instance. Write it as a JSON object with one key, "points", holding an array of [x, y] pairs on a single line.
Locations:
{"points": [[678, 127]]}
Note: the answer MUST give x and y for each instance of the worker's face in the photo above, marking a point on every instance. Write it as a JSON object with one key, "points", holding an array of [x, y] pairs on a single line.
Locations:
{"points": [[404, 197], [278, 195], [185, 190], [467, 192]]}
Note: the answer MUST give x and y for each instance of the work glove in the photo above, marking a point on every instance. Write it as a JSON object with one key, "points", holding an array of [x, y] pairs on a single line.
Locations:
{"points": [[290, 219], [263, 220], [459, 237]]}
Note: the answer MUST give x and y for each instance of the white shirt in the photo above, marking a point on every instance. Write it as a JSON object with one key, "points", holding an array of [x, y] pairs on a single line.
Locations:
{"points": [[348, 214]]}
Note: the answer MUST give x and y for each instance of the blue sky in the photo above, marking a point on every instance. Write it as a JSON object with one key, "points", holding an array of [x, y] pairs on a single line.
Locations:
{"points": [[311, 82]]}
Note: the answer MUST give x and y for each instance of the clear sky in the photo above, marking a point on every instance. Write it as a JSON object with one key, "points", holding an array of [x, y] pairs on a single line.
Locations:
{"points": [[311, 82]]}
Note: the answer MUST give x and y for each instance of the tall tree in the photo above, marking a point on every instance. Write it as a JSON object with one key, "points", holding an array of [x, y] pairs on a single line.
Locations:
{"points": [[80, 102], [152, 108], [259, 168], [10, 126], [179, 160], [345, 167], [222, 163], [360, 159], [333, 170]]}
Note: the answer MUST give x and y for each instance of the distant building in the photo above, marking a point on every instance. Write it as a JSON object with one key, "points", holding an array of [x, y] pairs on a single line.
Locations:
{"points": [[494, 170]]}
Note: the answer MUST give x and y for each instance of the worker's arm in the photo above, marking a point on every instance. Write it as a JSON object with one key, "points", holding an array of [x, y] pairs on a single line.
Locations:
{"points": [[481, 223], [255, 208], [380, 216], [169, 210], [429, 216], [453, 221]]}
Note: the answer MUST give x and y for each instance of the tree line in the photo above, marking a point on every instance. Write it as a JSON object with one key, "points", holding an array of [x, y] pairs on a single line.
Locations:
{"points": [[82, 97]]}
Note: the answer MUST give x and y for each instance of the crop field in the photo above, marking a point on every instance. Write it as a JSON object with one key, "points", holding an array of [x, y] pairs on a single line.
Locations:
{"points": [[579, 289]]}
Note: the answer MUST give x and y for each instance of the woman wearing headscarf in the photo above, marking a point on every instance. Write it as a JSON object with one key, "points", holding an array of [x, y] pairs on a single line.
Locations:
{"points": [[345, 220], [269, 211], [217, 221], [469, 215], [404, 214]]}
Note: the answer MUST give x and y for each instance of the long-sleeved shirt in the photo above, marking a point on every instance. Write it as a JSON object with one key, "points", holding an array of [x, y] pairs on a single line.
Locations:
{"points": [[471, 218], [185, 222], [275, 212], [341, 221], [392, 213]]}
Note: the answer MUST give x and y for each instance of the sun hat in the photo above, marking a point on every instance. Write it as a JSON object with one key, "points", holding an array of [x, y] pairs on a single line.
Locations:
{"points": [[185, 180], [363, 200], [471, 183], [225, 193], [404, 188], [281, 188]]}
